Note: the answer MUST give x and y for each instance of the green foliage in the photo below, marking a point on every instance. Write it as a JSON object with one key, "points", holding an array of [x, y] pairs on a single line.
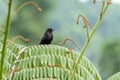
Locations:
{"points": [[115, 76], [3, 51], [48, 61], [28, 22], [111, 49], [45, 61]]}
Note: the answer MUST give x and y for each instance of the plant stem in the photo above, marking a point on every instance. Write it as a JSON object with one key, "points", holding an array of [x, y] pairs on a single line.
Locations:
{"points": [[88, 40], [5, 39]]}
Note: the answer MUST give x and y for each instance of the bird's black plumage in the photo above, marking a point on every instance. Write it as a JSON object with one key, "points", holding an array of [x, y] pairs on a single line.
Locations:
{"points": [[48, 37]]}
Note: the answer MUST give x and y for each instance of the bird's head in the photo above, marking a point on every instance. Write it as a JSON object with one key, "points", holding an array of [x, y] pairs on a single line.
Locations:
{"points": [[49, 30]]}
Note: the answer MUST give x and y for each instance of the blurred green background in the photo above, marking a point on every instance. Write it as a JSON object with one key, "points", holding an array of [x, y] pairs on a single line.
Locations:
{"points": [[61, 15]]}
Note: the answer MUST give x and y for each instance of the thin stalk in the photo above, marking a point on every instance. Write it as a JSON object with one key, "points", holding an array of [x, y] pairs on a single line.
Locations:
{"points": [[5, 39], [88, 40]]}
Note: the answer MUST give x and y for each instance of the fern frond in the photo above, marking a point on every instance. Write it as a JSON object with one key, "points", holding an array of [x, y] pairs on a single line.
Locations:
{"points": [[48, 56], [115, 77], [45, 62], [45, 72]]}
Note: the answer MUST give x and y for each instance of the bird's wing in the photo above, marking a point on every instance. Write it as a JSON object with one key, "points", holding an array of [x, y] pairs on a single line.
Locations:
{"points": [[47, 38]]}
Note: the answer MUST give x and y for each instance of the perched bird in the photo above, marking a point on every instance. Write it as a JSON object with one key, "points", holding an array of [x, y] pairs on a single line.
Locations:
{"points": [[48, 37]]}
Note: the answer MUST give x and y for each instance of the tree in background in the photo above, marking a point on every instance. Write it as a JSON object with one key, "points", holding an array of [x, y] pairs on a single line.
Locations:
{"points": [[28, 22], [110, 58]]}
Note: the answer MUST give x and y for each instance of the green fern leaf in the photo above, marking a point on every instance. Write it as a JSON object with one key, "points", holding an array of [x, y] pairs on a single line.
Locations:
{"points": [[115, 76]]}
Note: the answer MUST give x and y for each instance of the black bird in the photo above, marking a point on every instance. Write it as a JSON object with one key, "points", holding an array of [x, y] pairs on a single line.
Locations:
{"points": [[48, 37]]}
